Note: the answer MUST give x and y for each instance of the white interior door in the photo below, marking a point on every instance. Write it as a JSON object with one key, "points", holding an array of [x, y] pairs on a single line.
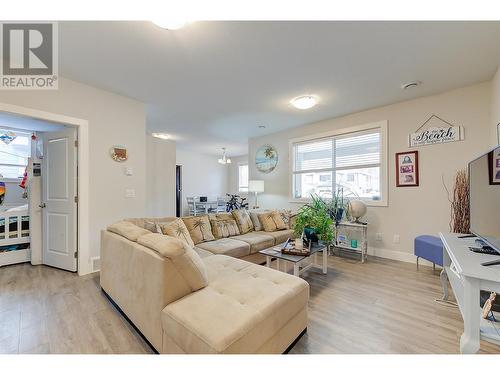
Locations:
{"points": [[59, 192]]}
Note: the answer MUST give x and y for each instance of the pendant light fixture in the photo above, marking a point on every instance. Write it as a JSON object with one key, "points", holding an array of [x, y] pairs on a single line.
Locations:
{"points": [[224, 160]]}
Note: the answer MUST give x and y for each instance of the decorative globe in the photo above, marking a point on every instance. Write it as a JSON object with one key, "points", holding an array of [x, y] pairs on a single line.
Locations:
{"points": [[357, 209]]}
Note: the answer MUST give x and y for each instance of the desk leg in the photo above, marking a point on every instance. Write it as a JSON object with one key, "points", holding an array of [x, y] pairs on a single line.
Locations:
{"points": [[296, 269], [444, 282], [325, 260], [268, 261], [469, 341]]}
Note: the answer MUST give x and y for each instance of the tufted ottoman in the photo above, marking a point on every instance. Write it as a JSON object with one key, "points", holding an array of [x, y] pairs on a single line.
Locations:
{"points": [[430, 248], [247, 308]]}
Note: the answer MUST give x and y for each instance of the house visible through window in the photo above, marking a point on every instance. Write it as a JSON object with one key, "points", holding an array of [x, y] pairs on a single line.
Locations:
{"points": [[14, 155], [349, 160], [243, 178]]}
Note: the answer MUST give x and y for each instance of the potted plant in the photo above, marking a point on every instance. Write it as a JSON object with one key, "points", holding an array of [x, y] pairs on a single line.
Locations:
{"points": [[315, 219]]}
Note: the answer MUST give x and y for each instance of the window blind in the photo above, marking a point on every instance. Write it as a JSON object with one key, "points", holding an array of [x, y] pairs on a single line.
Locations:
{"points": [[357, 150], [315, 155]]}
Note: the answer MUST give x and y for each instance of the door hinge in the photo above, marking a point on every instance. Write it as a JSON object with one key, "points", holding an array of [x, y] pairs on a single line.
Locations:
{"points": [[76, 199], [76, 143], [76, 254]]}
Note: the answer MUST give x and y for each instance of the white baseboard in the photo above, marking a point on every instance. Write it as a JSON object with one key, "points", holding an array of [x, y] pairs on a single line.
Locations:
{"points": [[397, 255]]}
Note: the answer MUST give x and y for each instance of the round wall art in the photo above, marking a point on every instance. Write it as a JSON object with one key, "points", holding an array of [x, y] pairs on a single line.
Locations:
{"points": [[266, 158]]}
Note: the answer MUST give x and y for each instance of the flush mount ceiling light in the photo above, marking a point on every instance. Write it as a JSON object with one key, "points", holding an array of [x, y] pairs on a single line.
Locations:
{"points": [[161, 135], [224, 159], [171, 24], [410, 85], [304, 101]]}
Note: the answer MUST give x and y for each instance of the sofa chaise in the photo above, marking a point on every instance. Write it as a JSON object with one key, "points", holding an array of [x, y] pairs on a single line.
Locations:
{"points": [[202, 298]]}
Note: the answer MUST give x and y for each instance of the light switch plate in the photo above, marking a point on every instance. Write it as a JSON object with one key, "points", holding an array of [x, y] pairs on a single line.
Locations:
{"points": [[129, 193], [129, 171]]}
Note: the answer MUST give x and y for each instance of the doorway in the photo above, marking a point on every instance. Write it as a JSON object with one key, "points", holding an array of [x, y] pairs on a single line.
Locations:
{"points": [[178, 190], [38, 205]]}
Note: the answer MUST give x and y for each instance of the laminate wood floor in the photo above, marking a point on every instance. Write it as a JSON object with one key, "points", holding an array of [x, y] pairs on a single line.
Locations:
{"points": [[381, 306]]}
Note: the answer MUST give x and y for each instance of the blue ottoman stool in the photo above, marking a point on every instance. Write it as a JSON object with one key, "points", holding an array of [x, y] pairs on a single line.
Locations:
{"points": [[430, 248]]}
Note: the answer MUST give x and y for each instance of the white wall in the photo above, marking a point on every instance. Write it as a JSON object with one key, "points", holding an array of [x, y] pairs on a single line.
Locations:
{"points": [[412, 210], [233, 173], [160, 177], [201, 176], [113, 120], [495, 107]]}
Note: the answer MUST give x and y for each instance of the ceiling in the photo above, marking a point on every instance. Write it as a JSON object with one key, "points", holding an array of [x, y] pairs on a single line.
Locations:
{"points": [[13, 121], [211, 84]]}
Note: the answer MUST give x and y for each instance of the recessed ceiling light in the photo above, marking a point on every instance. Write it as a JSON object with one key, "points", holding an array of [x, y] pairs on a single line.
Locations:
{"points": [[304, 101], [161, 135], [171, 24], [411, 85]]}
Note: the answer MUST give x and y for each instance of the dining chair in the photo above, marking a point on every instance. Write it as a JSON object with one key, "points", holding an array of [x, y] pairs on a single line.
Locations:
{"points": [[221, 204], [194, 206]]}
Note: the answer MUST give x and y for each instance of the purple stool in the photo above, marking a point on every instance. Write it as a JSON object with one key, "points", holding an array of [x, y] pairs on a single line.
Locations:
{"points": [[429, 248]]}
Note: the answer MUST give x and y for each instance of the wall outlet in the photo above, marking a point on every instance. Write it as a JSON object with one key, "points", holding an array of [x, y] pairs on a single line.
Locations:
{"points": [[396, 238], [129, 171], [378, 236], [129, 193]]}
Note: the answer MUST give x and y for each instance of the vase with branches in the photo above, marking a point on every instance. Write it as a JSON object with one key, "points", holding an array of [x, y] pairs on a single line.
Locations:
{"points": [[459, 202]]}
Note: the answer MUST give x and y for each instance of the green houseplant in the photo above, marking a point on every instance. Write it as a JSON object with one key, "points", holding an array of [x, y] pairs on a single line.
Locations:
{"points": [[315, 215]]}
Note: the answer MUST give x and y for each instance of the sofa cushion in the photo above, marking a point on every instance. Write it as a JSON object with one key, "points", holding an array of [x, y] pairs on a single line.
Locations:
{"points": [[286, 216], [185, 259], [128, 230], [257, 301], [257, 240], [222, 228], [280, 236], [199, 228], [202, 252], [227, 246], [255, 218], [178, 229], [271, 221], [243, 220]]}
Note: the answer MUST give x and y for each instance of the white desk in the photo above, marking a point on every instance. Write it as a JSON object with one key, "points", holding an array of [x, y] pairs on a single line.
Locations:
{"points": [[467, 277]]}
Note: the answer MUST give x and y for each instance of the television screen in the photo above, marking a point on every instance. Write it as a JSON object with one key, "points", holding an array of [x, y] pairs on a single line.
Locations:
{"points": [[484, 180]]}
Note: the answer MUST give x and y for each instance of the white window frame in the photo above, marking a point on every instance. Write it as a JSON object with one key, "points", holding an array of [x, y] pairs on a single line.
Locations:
{"points": [[384, 178], [20, 132], [239, 186]]}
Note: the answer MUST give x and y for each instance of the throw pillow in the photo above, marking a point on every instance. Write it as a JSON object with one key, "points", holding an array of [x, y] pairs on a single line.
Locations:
{"points": [[153, 227], [243, 220], [177, 229], [199, 228], [224, 228], [286, 217], [272, 221], [254, 215]]}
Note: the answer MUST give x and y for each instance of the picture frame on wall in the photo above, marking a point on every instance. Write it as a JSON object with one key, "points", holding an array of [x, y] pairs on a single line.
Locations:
{"points": [[498, 133], [494, 166], [407, 169]]}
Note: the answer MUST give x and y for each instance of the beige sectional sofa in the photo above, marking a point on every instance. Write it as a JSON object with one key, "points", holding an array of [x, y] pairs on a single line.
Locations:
{"points": [[202, 299]]}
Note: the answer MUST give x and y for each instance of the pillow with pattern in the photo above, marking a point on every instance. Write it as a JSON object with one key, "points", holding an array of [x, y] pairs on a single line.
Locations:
{"points": [[224, 228], [243, 220], [199, 228], [177, 229], [272, 221]]}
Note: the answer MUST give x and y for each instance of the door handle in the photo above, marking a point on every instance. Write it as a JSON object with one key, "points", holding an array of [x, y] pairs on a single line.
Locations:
{"points": [[42, 205]]}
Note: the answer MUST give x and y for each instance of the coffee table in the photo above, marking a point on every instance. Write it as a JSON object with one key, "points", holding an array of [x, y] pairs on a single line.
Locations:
{"points": [[297, 260]]}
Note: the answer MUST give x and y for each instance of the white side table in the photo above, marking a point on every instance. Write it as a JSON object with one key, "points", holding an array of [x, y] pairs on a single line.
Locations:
{"points": [[352, 231]]}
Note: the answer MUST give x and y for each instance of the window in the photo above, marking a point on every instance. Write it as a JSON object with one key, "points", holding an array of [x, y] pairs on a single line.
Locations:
{"points": [[14, 156], [243, 178], [353, 160]]}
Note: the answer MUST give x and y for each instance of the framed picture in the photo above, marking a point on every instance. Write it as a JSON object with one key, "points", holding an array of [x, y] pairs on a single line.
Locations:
{"points": [[494, 166], [498, 133], [118, 153], [407, 168]]}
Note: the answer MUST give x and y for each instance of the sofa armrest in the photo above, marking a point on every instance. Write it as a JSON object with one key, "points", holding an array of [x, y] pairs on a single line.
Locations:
{"points": [[140, 281]]}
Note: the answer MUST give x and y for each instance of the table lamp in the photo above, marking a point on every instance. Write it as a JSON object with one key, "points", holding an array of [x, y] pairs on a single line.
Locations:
{"points": [[256, 186]]}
